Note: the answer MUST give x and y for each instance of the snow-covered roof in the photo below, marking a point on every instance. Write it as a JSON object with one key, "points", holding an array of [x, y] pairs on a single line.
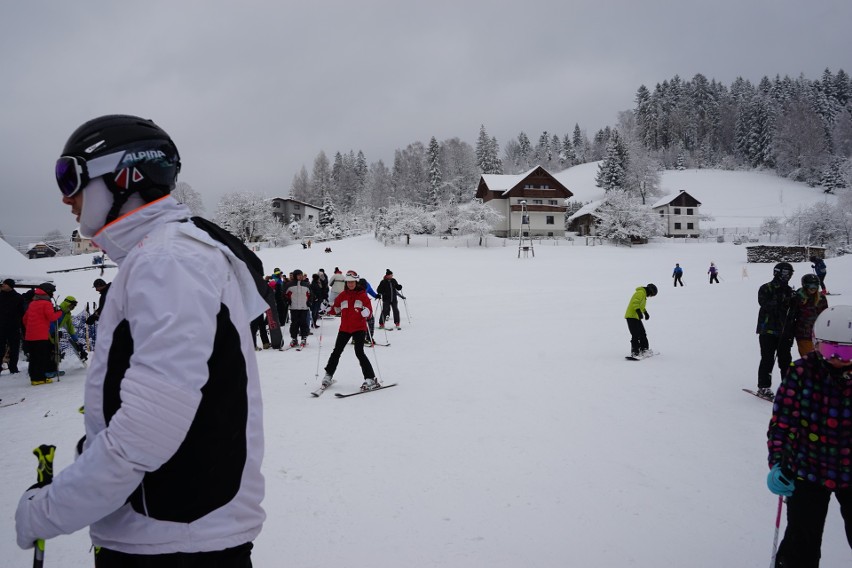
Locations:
{"points": [[585, 209], [505, 182], [668, 198], [19, 268]]}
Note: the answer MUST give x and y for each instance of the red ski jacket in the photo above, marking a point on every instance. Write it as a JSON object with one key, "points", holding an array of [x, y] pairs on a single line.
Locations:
{"points": [[350, 303], [38, 317]]}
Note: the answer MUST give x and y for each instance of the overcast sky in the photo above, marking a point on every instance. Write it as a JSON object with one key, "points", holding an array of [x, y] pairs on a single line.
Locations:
{"points": [[250, 91]]}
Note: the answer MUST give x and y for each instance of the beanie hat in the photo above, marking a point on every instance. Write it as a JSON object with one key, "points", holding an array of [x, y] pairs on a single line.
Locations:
{"points": [[98, 282], [297, 272], [9, 282], [388, 272], [47, 288]]}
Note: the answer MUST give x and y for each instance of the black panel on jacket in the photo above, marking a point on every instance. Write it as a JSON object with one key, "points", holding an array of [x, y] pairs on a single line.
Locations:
{"points": [[206, 471], [118, 362]]}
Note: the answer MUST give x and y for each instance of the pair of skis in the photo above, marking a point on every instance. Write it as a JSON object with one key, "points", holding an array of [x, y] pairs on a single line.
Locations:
{"points": [[317, 393]]}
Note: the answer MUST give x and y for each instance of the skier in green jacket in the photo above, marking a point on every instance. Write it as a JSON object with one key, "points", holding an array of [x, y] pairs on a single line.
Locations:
{"points": [[635, 313]]}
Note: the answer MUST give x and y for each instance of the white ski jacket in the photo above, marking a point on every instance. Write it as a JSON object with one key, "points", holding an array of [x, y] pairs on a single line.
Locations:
{"points": [[174, 434]]}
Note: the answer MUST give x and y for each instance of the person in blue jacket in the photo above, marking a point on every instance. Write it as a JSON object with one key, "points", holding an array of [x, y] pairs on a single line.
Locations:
{"points": [[820, 270], [677, 274]]}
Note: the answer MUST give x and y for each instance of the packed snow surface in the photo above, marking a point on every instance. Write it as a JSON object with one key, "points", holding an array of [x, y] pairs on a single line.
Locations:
{"points": [[518, 435]]}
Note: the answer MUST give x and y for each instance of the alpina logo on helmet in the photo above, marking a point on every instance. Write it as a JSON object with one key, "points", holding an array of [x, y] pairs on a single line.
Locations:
{"points": [[94, 146], [126, 176], [143, 155]]}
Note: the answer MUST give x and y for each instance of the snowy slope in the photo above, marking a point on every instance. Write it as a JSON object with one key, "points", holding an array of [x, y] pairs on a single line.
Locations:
{"points": [[732, 199], [518, 436]]}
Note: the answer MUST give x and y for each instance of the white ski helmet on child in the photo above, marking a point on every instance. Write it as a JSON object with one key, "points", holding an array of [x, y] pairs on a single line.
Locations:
{"points": [[834, 325]]}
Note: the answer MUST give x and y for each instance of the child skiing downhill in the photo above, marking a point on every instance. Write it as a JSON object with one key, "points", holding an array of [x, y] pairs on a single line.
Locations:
{"points": [[355, 309], [809, 439], [635, 313]]}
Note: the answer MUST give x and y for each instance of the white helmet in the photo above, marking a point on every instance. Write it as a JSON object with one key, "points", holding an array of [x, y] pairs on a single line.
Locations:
{"points": [[834, 325]]}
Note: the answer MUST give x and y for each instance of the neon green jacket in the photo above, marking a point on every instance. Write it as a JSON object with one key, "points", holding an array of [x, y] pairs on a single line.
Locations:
{"points": [[637, 302]]}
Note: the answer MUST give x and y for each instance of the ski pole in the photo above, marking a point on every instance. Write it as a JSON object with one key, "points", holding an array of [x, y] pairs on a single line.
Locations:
{"points": [[375, 356], [319, 350], [44, 476], [405, 303], [777, 527]]}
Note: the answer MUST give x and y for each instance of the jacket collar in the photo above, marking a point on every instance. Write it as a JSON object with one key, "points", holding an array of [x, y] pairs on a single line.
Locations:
{"points": [[120, 237]]}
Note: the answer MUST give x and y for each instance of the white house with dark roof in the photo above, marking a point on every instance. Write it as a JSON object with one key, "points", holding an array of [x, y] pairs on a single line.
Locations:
{"points": [[680, 212], [544, 196]]}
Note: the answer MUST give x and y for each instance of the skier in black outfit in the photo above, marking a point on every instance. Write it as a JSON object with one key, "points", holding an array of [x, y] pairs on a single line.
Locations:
{"points": [[389, 289], [102, 288], [11, 312], [775, 327]]}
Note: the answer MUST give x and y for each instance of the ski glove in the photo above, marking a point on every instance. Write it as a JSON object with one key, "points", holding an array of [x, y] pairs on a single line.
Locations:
{"points": [[647, 317], [780, 481], [638, 313], [365, 313]]}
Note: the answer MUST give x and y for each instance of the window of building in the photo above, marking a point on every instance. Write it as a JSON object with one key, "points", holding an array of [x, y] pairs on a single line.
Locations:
{"points": [[690, 225], [296, 206], [689, 211], [550, 233], [310, 217], [277, 205], [677, 211], [677, 226], [538, 202], [553, 202], [549, 219], [545, 186]]}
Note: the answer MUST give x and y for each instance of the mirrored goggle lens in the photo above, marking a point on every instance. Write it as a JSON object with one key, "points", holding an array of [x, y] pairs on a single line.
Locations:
{"points": [[69, 175], [840, 351]]}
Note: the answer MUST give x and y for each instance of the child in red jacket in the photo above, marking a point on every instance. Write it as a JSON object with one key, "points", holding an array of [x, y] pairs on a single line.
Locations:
{"points": [[355, 308], [37, 319]]}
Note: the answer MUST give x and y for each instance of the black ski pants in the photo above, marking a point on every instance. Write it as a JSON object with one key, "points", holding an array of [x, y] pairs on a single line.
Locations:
{"points": [[339, 345], [237, 557], [677, 279], [638, 338], [806, 511], [41, 359], [299, 324], [386, 309], [258, 325], [773, 347], [11, 338]]}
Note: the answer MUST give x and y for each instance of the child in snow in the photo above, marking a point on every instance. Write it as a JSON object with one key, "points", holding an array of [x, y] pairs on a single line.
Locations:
{"points": [[809, 438], [355, 309], [808, 303], [677, 274], [635, 313], [714, 273]]}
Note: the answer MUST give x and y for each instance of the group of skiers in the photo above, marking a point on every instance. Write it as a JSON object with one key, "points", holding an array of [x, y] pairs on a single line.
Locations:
{"points": [[303, 304], [33, 323], [677, 274], [810, 431]]}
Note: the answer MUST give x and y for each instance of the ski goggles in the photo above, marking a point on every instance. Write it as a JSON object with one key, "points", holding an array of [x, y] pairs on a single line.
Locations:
{"points": [[840, 351], [74, 173]]}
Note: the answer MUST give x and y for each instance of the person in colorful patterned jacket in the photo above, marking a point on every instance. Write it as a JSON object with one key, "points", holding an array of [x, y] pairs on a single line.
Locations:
{"points": [[808, 303], [775, 326], [810, 439]]}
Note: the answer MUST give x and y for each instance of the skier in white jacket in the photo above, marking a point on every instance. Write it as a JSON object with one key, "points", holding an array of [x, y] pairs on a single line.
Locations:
{"points": [[170, 464]]}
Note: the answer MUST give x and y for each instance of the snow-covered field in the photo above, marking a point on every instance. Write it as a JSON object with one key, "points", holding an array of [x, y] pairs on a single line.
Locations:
{"points": [[518, 434]]}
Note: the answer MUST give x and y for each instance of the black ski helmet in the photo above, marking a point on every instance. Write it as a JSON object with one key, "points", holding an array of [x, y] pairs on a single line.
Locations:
{"points": [[810, 279], [651, 289], [783, 270], [146, 160]]}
